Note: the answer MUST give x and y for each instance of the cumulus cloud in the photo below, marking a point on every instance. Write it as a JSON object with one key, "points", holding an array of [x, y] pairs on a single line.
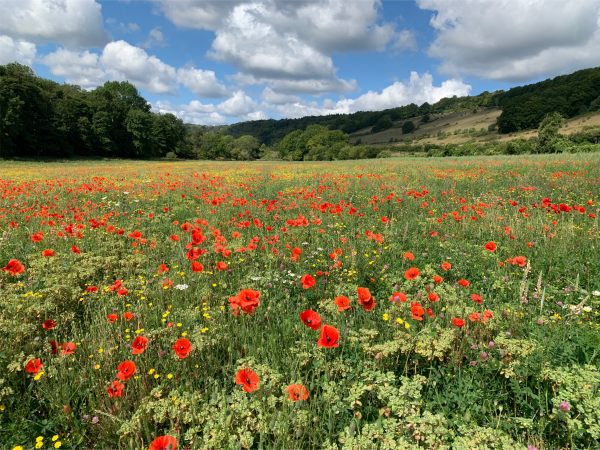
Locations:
{"points": [[514, 40], [15, 50], [82, 68], [238, 104], [156, 38], [201, 82], [122, 61], [418, 89], [194, 112], [287, 46], [71, 23]]}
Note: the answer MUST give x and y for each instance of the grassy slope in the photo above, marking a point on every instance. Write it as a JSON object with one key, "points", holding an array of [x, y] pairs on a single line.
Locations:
{"points": [[456, 126]]}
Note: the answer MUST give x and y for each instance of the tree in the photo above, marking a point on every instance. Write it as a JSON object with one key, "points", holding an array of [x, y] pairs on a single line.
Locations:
{"points": [[408, 127], [548, 133]]}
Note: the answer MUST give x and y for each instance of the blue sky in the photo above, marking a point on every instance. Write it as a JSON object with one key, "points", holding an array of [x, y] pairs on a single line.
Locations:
{"points": [[215, 62]]}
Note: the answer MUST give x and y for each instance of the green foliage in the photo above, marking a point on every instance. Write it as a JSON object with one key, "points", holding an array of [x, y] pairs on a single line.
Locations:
{"points": [[41, 118], [408, 127]]}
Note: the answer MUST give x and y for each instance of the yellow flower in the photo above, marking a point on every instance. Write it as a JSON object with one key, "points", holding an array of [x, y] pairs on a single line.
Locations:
{"points": [[57, 444], [18, 447], [55, 438], [39, 444], [386, 316], [170, 376], [38, 376]]}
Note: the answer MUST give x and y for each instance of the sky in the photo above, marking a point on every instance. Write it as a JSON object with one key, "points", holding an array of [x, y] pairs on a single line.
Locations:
{"points": [[219, 62]]}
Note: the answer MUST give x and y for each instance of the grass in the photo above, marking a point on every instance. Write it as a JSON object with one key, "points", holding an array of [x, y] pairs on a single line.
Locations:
{"points": [[504, 355]]}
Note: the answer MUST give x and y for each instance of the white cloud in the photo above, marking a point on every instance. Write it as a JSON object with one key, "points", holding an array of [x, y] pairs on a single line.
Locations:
{"points": [[72, 23], [287, 46], [238, 104], [156, 38], [124, 61], [515, 40], [82, 68], [418, 89], [276, 98], [201, 82], [194, 112], [15, 50], [405, 40]]}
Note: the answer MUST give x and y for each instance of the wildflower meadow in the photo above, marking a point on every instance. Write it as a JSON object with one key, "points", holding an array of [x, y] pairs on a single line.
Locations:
{"points": [[378, 304]]}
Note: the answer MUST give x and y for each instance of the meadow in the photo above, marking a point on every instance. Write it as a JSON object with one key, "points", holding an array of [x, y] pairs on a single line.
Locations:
{"points": [[447, 303]]}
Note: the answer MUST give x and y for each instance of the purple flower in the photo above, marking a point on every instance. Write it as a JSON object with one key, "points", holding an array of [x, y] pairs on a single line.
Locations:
{"points": [[565, 406]]}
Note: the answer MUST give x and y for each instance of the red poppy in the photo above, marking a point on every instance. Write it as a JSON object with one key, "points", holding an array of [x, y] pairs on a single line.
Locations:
{"points": [[329, 337], [37, 237], [457, 321], [296, 252], [197, 266], [311, 319], [128, 315], [520, 261], [48, 324], [68, 348], [477, 298], [91, 289], [122, 292], [464, 283], [398, 297], [14, 267], [307, 281], [75, 249], [409, 256], [365, 298], [115, 389], [417, 311], [433, 297], [342, 302], [53, 346], [412, 273], [446, 266], [125, 370], [222, 265], [474, 317], [182, 348], [297, 392], [247, 300], [164, 443], [487, 314], [437, 279], [163, 268], [139, 345], [112, 317], [48, 252], [247, 378], [33, 366], [490, 246]]}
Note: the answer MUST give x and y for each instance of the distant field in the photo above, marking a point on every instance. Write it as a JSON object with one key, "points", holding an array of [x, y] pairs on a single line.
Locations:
{"points": [[463, 127], [404, 303]]}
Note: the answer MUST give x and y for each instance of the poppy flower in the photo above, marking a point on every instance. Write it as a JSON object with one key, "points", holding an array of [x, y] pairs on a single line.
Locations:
{"points": [[33, 366], [68, 348], [115, 389], [247, 300], [474, 317], [48, 252], [487, 314], [197, 266], [139, 345], [222, 265], [248, 378], [75, 249], [477, 298], [400, 297], [53, 346], [182, 348], [91, 289], [490, 246], [112, 317], [433, 297], [365, 298], [520, 261], [14, 267], [342, 302], [296, 252], [437, 279], [446, 266], [125, 370], [163, 268], [128, 316], [37, 237], [307, 281], [329, 337], [458, 322], [297, 392], [311, 319], [464, 283], [417, 311], [122, 292], [412, 273], [163, 443], [48, 324]]}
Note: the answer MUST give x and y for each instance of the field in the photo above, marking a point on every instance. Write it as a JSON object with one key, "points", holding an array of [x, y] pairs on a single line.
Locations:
{"points": [[394, 304], [466, 126]]}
